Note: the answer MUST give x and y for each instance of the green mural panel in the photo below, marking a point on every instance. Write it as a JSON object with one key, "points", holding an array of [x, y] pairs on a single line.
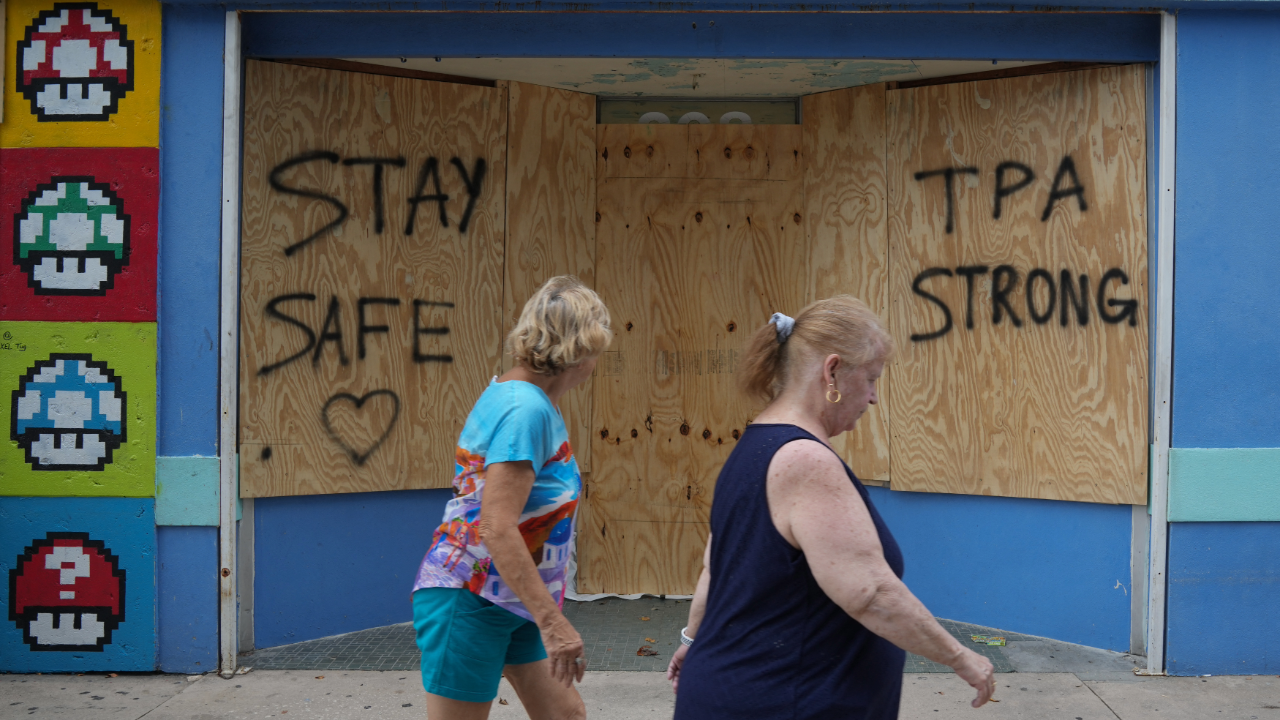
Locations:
{"points": [[81, 415]]}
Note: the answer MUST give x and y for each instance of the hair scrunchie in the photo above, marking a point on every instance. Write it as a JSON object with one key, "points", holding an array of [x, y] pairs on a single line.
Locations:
{"points": [[784, 325]]}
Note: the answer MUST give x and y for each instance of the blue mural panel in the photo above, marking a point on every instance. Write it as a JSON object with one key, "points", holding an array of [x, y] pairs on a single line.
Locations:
{"points": [[329, 564], [80, 584], [1224, 598], [1041, 567], [187, 598]]}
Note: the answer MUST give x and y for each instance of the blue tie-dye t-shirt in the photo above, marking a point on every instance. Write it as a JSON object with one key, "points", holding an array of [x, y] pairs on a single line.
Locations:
{"points": [[511, 421]]}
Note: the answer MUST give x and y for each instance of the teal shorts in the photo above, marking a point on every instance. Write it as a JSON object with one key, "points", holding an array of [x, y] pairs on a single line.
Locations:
{"points": [[466, 641]]}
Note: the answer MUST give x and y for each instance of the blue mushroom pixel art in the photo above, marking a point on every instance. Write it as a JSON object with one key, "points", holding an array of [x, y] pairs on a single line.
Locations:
{"points": [[68, 413]]}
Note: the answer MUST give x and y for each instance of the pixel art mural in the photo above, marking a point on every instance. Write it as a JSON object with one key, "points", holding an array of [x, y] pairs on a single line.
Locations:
{"points": [[68, 412], [80, 584], [79, 225], [81, 74], [72, 237], [81, 416], [67, 593], [75, 63]]}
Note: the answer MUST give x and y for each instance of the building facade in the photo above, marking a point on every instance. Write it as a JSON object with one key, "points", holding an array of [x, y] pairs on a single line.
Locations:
{"points": [[167, 499]]}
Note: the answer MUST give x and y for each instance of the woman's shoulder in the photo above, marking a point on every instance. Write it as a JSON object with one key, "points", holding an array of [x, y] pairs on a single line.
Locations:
{"points": [[806, 459], [514, 396], [513, 406], [808, 450]]}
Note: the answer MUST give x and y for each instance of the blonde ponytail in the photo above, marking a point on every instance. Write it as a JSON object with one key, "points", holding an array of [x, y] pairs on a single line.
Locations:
{"points": [[841, 325]]}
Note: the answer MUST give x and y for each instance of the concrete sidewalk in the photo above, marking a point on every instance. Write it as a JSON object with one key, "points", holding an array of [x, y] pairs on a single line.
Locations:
{"points": [[366, 695]]}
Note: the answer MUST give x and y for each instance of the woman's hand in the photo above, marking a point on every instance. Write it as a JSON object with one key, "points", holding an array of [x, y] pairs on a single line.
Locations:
{"points": [[564, 650], [979, 673], [673, 669]]}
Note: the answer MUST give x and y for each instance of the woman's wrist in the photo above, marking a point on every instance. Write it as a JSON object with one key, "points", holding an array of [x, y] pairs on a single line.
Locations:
{"points": [[547, 618]]}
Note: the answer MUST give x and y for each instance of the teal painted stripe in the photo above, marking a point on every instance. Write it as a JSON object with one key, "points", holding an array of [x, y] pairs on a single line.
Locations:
{"points": [[1224, 484], [187, 491]]}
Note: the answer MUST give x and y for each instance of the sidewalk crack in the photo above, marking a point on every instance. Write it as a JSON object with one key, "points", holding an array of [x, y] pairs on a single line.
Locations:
{"points": [[1095, 694]]}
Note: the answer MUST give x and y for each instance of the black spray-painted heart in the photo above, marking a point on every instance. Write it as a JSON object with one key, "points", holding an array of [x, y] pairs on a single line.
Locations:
{"points": [[357, 456]]}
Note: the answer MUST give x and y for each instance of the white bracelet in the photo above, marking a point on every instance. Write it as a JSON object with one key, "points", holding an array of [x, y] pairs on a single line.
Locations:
{"points": [[684, 638]]}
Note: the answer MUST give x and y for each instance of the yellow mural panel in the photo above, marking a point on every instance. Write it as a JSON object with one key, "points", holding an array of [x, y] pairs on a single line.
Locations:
{"points": [[81, 74]]}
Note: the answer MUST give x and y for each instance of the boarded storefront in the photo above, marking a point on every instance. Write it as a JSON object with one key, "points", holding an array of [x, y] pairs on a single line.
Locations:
{"points": [[393, 227]]}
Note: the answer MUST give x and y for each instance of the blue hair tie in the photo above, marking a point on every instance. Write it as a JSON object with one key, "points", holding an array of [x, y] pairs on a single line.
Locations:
{"points": [[784, 324]]}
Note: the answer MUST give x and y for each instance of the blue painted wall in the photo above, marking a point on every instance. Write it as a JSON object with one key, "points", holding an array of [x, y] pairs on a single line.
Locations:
{"points": [[187, 599], [329, 564], [1224, 598], [1224, 577], [333, 564], [1226, 338], [1041, 567], [190, 226]]}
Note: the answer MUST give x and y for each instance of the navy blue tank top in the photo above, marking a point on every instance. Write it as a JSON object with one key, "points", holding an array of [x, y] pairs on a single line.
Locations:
{"points": [[772, 644]]}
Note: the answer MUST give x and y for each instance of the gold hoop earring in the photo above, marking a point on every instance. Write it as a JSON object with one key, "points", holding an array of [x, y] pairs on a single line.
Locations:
{"points": [[831, 388]]}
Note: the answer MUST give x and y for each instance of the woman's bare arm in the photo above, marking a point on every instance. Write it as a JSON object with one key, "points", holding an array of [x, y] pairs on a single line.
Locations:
{"points": [[817, 510], [506, 490], [696, 610]]}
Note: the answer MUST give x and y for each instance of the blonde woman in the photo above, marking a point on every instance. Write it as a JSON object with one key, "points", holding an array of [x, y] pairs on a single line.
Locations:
{"points": [[800, 611], [489, 593]]}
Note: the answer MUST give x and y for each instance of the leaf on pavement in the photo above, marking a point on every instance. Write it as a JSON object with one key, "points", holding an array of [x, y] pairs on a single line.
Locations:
{"points": [[646, 651]]}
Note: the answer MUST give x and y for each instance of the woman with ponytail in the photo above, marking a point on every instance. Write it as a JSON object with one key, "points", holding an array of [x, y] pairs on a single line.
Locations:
{"points": [[800, 611]]}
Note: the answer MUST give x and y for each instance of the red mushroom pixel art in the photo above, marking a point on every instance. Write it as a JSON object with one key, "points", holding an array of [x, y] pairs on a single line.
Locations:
{"points": [[66, 592], [75, 63]]}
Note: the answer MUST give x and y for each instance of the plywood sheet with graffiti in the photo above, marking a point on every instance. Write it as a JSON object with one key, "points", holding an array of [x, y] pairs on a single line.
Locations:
{"points": [[1018, 279], [372, 263], [689, 267]]}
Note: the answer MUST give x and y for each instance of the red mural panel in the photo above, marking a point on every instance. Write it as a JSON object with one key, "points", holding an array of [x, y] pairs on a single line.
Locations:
{"points": [[78, 229]]}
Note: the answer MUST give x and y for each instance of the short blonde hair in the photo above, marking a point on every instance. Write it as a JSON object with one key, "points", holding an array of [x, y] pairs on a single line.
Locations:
{"points": [[841, 325], [563, 324]]}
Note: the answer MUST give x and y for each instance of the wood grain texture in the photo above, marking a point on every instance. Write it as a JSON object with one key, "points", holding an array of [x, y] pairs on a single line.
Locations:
{"points": [[847, 222], [745, 152], [551, 228], [291, 110], [689, 267], [1044, 410], [642, 151]]}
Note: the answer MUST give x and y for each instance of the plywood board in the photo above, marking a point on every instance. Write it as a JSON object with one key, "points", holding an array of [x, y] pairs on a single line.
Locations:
{"points": [[327, 239], [551, 229], [642, 151], [1052, 406], [689, 267], [745, 152], [847, 225]]}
